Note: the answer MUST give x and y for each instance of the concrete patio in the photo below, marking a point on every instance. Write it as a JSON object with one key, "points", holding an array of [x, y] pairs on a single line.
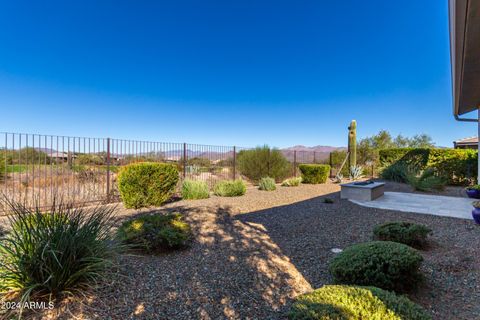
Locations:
{"points": [[427, 204]]}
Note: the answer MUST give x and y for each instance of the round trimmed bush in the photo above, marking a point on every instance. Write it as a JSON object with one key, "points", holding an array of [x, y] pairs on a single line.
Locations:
{"points": [[314, 173], [230, 188], [153, 233], [147, 184], [267, 184], [384, 264], [412, 234], [355, 303], [192, 190]]}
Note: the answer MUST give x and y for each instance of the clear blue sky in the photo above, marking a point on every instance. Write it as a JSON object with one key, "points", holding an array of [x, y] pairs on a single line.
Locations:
{"points": [[227, 72]]}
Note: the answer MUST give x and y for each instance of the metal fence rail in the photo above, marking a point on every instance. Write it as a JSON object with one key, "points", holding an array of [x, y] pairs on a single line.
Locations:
{"points": [[37, 168]]}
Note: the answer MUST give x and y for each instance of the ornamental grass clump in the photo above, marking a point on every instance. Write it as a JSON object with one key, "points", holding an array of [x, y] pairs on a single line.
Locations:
{"points": [[156, 233], [384, 264], [62, 250], [411, 234], [192, 190], [267, 184], [230, 188], [355, 303], [292, 182]]}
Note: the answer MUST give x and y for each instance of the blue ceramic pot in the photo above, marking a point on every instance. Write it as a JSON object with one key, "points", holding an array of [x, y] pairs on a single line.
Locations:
{"points": [[476, 215], [473, 193]]}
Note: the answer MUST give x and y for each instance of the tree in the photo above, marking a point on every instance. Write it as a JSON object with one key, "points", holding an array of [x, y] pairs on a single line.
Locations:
{"points": [[421, 141], [263, 162]]}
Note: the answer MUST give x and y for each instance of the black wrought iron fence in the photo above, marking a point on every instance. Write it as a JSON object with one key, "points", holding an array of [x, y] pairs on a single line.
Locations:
{"points": [[37, 168]]}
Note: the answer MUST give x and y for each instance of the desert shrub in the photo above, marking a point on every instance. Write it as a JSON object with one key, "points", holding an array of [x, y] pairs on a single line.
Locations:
{"points": [[384, 264], [267, 184], [64, 249], [89, 159], [197, 161], [412, 234], [355, 303], [397, 172], [195, 190], [147, 184], [456, 166], [314, 173], [154, 233], [230, 188], [337, 158], [263, 162], [292, 182], [426, 181], [3, 166]]}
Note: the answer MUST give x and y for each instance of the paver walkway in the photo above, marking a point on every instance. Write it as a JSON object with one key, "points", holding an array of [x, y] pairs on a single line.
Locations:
{"points": [[420, 203]]}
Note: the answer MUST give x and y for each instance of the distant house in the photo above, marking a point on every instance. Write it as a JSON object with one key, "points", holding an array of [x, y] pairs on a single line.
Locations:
{"points": [[466, 143]]}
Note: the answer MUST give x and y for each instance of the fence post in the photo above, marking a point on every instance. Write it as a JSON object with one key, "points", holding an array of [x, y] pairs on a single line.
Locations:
{"points": [[294, 163], [314, 157], [108, 169], [234, 162], [331, 164], [184, 160]]}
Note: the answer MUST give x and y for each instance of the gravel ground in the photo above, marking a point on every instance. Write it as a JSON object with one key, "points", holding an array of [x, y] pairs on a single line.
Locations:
{"points": [[253, 254]]}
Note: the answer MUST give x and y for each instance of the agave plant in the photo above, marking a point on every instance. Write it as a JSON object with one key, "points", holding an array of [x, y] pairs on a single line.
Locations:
{"points": [[356, 172]]}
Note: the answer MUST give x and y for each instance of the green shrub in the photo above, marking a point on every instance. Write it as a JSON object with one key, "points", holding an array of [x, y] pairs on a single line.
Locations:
{"points": [[154, 233], [195, 190], [412, 234], [384, 264], [63, 250], [267, 184], [397, 172], [456, 166], [147, 184], [89, 159], [474, 187], [328, 200], [292, 182], [426, 181], [355, 303], [230, 188], [314, 173], [263, 162]]}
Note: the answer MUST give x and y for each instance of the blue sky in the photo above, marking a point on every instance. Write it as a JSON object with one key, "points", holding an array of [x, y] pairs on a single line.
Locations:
{"points": [[227, 72]]}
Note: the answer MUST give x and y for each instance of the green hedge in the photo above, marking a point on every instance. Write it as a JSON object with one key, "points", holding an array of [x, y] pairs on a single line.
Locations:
{"points": [[147, 184], [456, 166], [314, 173], [384, 264], [355, 303]]}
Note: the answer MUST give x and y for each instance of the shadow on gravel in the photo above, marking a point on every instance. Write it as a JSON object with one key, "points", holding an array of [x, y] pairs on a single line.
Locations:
{"points": [[250, 265]]}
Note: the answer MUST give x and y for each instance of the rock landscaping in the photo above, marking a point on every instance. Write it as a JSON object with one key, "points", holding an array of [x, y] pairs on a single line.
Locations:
{"points": [[252, 257]]}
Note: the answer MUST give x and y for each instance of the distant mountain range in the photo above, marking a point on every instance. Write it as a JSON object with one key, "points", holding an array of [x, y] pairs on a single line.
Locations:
{"points": [[309, 154]]}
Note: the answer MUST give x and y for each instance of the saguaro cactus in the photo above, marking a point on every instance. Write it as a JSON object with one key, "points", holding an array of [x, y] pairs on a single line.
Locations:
{"points": [[352, 143]]}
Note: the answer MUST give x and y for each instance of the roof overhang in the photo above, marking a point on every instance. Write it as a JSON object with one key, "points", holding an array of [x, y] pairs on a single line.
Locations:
{"points": [[464, 16]]}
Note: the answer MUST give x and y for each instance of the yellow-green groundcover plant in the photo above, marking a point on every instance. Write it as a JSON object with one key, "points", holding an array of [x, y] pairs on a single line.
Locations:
{"points": [[338, 302]]}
